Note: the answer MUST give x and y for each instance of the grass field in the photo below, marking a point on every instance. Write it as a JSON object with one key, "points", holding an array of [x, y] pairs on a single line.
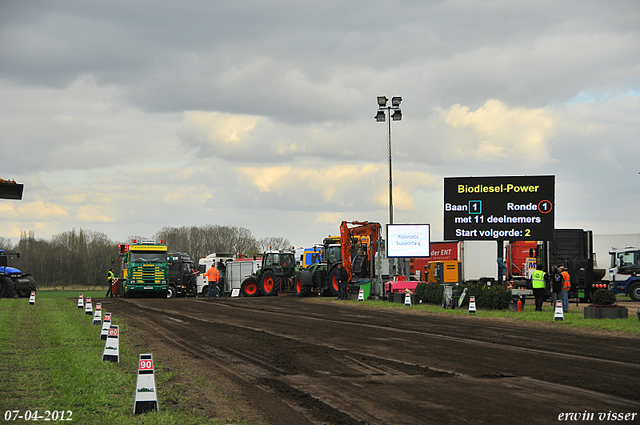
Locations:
{"points": [[52, 361], [574, 318]]}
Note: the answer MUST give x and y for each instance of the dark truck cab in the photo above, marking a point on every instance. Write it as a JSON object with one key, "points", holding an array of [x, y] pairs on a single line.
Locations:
{"points": [[181, 276]]}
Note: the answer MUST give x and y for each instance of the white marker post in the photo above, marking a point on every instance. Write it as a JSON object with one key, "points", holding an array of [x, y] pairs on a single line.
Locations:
{"points": [[559, 313], [407, 297], [472, 304], [80, 301], [106, 324], [146, 398], [361, 295], [88, 308], [32, 298], [97, 315], [112, 345]]}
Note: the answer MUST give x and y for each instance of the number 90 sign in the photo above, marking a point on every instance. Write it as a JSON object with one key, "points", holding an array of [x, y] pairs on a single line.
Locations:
{"points": [[146, 365]]}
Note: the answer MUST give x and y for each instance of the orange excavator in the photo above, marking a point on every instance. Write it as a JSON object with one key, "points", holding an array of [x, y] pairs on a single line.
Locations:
{"points": [[357, 256], [355, 248]]}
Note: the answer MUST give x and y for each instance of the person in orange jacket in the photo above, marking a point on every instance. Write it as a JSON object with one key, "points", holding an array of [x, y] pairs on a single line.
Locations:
{"points": [[566, 286], [213, 277]]}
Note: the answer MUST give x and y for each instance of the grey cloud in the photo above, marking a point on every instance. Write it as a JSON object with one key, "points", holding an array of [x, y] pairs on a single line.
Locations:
{"points": [[276, 58], [95, 94]]}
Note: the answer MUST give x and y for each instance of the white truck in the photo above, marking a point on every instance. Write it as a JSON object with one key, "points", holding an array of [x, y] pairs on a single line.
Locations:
{"points": [[624, 272], [604, 244]]}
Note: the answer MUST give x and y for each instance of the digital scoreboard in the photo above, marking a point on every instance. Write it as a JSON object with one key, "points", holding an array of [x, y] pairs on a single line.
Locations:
{"points": [[499, 208]]}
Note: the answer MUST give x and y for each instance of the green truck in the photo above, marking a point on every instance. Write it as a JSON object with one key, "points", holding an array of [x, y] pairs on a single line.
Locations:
{"points": [[145, 268]]}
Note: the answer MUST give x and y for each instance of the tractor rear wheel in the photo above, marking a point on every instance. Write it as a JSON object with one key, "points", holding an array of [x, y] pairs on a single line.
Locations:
{"points": [[249, 287], [269, 284]]}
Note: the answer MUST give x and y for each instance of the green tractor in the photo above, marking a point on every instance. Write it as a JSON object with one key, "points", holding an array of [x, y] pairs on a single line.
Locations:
{"points": [[320, 277], [277, 273]]}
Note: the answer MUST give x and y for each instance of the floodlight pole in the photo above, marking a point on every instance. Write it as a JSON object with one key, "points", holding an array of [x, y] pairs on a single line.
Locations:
{"points": [[384, 113], [390, 168]]}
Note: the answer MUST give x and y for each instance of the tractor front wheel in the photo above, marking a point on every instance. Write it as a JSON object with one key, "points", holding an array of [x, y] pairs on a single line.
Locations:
{"points": [[304, 283], [8, 288], [249, 287], [32, 284], [333, 283]]}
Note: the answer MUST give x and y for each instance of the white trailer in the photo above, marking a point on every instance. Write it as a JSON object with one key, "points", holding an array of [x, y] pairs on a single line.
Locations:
{"points": [[237, 271], [479, 260], [204, 264]]}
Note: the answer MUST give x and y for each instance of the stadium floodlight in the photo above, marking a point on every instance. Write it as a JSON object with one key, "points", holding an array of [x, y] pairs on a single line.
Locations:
{"points": [[381, 116]]}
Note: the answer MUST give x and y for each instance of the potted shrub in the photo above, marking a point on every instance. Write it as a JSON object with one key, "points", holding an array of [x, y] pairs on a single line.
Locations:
{"points": [[604, 306]]}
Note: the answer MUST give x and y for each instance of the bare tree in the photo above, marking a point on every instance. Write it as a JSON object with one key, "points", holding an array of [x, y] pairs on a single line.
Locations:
{"points": [[274, 242], [69, 258], [5, 243], [199, 242]]}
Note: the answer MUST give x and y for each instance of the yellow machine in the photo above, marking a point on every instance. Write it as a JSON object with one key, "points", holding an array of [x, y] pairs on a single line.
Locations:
{"points": [[443, 271]]}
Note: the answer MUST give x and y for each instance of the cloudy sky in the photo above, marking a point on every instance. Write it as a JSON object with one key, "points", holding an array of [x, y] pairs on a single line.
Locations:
{"points": [[124, 117]]}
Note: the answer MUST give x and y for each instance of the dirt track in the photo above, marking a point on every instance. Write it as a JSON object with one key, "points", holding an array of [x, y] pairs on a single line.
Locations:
{"points": [[291, 361]]}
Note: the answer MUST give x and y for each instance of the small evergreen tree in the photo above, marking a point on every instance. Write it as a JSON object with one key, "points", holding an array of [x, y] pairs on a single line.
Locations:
{"points": [[604, 297]]}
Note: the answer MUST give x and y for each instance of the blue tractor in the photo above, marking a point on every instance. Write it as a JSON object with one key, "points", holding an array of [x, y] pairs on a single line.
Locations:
{"points": [[13, 283]]}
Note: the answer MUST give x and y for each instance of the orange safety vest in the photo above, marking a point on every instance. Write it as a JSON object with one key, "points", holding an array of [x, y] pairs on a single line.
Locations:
{"points": [[566, 285], [212, 275]]}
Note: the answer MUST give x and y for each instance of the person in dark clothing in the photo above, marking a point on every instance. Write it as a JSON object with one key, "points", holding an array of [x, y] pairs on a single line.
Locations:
{"points": [[110, 278], [343, 279], [539, 282], [556, 285]]}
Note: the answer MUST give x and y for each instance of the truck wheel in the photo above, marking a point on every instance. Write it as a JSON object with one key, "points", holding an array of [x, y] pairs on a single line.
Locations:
{"points": [[269, 284], [171, 292], [8, 288], [249, 287], [304, 283], [634, 292], [333, 283]]}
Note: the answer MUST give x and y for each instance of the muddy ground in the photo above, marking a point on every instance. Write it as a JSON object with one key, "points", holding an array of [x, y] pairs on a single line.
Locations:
{"points": [[285, 360]]}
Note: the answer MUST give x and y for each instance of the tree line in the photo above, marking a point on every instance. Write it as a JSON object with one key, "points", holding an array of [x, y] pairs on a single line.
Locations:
{"points": [[83, 257]]}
